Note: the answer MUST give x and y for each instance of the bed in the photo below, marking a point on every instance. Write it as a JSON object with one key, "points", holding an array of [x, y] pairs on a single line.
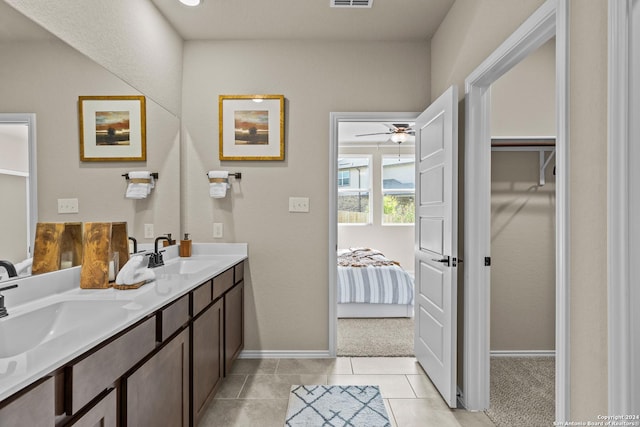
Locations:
{"points": [[371, 285]]}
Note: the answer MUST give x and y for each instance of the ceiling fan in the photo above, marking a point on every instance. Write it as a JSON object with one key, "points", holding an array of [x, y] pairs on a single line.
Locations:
{"points": [[399, 132]]}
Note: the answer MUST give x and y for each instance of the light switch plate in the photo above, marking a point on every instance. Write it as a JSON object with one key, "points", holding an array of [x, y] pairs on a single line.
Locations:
{"points": [[217, 230], [67, 205], [148, 231], [298, 204]]}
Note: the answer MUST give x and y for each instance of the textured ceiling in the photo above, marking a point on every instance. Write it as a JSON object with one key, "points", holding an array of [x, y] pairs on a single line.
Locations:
{"points": [[386, 20]]}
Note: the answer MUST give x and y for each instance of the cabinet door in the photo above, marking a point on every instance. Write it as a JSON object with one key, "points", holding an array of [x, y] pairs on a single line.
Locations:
{"points": [[207, 333], [34, 407], [233, 325], [157, 393], [103, 414]]}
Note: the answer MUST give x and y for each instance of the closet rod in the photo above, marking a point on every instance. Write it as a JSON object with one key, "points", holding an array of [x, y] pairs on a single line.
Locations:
{"points": [[523, 142]]}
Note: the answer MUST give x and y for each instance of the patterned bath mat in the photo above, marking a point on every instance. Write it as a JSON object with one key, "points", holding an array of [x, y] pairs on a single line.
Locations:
{"points": [[336, 405]]}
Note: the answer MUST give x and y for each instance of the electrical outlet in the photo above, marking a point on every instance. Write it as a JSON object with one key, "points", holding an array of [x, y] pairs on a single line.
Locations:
{"points": [[298, 204], [67, 205], [217, 230], [148, 231]]}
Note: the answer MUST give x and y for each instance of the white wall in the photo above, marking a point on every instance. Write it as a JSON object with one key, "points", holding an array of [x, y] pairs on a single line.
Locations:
{"points": [[522, 253], [13, 227], [46, 78], [523, 281], [523, 100], [287, 284]]}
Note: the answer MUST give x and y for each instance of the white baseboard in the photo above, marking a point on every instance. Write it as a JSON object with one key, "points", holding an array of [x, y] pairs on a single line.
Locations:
{"points": [[522, 353], [284, 354]]}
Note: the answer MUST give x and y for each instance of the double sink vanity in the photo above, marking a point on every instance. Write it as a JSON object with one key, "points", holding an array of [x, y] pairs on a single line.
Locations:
{"points": [[152, 356]]}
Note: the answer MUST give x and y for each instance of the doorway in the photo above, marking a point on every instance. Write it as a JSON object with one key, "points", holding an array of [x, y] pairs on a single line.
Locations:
{"points": [[522, 374], [18, 184], [357, 190], [549, 20]]}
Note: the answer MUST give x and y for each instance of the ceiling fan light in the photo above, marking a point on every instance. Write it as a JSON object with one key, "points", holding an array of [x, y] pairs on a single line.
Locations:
{"points": [[399, 138], [190, 2]]}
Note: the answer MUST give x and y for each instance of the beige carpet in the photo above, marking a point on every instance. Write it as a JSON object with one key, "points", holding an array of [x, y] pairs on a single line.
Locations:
{"points": [[375, 337], [522, 391]]}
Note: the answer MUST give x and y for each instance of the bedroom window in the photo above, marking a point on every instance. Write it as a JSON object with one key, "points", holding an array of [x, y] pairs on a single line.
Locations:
{"points": [[354, 188], [398, 190]]}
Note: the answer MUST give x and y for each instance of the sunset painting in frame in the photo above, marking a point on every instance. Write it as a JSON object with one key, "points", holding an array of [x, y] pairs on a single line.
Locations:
{"points": [[251, 127], [112, 128]]}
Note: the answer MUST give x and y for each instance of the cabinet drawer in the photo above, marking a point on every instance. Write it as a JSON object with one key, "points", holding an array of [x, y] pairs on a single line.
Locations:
{"points": [[239, 272], [201, 297], [222, 283], [34, 407], [173, 317], [90, 376]]}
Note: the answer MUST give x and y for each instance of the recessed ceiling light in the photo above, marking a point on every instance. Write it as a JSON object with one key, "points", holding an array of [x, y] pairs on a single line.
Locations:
{"points": [[190, 2]]}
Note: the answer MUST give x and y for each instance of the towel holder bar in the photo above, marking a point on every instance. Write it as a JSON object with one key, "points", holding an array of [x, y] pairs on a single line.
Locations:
{"points": [[153, 174], [236, 175]]}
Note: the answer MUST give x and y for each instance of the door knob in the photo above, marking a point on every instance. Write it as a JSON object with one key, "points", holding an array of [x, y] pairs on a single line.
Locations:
{"points": [[444, 260]]}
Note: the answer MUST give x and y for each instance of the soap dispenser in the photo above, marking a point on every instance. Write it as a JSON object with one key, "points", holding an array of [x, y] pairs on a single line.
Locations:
{"points": [[185, 246]]}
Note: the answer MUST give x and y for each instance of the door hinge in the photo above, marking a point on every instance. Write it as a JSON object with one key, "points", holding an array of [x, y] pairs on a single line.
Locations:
{"points": [[487, 261]]}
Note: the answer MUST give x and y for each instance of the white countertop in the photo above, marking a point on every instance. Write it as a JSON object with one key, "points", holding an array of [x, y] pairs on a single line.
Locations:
{"points": [[119, 309]]}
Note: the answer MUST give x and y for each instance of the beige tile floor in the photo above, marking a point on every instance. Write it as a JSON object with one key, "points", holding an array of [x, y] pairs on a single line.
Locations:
{"points": [[256, 393]]}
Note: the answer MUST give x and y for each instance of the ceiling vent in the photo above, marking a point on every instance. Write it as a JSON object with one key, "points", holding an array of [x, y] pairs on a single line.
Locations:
{"points": [[351, 3]]}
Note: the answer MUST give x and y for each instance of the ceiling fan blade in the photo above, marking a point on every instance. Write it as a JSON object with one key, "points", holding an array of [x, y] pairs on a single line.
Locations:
{"points": [[377, 133]]}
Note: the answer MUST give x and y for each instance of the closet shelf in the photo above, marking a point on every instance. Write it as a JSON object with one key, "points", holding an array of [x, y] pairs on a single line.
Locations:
{"points": [[541, 145]]}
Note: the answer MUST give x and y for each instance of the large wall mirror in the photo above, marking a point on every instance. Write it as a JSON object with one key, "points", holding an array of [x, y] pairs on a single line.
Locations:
{"points": [[43, 76]]}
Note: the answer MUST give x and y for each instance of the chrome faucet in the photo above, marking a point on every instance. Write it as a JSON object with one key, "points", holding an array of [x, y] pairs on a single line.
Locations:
{"points": [[11, 270], [155, 259], [3, 309]]}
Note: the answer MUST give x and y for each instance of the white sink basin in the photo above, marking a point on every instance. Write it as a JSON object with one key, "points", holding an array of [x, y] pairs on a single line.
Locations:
{"points": [[22, 332], [185, 266]]}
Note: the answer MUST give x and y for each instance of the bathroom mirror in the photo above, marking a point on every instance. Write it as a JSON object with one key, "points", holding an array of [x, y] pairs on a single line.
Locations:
{"points": [[45, 77]]}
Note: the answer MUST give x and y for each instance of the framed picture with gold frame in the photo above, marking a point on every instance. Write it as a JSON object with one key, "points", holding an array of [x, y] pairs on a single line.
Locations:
{"points": [[112, 128], [251, 127]]}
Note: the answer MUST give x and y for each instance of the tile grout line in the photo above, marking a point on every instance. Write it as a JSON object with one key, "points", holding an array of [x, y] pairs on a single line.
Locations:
{"points": [[406, 377], [246, 377], [393, 415]]}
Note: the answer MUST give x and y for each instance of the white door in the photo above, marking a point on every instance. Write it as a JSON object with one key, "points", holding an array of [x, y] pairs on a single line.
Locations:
{"points": [[436, 254]]}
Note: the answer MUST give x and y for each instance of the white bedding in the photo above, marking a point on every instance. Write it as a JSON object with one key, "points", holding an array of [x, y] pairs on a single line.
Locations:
{"points": [[374, 285], [367, 276]]}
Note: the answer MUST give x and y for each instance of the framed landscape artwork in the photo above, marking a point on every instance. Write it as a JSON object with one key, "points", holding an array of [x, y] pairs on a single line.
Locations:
{"points": [[112, 128], [251, 127]]}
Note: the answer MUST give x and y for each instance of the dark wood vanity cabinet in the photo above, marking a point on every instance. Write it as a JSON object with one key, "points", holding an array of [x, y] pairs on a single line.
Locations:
{"points": [[32, 407], [162, 371], [217, 332], [157, 393], [208, 356], [233, 325], [104, 413]]}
